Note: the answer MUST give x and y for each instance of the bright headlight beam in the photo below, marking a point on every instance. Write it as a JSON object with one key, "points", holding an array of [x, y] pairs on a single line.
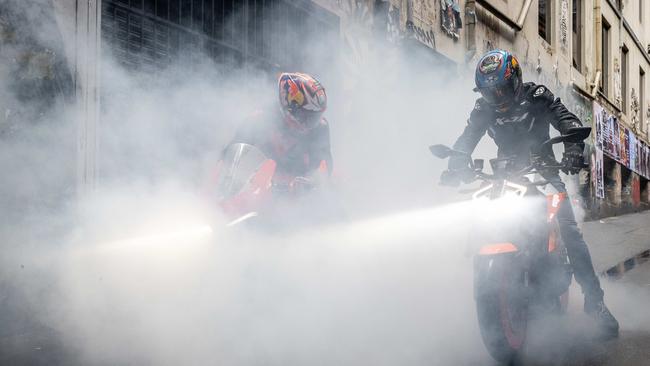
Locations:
{"points": [[241, 219], [188, 233]]}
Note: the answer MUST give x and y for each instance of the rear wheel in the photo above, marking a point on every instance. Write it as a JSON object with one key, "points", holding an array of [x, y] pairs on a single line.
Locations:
{"points": [[502, 310]]}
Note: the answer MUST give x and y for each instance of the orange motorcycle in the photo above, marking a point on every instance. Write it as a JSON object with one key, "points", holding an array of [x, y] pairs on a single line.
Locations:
{"points": [[521, 267]]}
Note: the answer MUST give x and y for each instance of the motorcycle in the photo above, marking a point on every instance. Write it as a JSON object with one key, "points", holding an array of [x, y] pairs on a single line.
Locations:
{"points": [[248, 188], [242, 181], [521, 267]]}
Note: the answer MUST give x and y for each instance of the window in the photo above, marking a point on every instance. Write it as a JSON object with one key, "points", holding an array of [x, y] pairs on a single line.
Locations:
{"points": [[604, 57], [624, 68], [577, 34], [642, 98], [152, 33], [544, 19]]}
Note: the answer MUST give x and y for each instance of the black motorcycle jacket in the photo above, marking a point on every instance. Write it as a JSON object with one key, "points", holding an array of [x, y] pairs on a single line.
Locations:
{"points": [[520, 129], [296, 154]]}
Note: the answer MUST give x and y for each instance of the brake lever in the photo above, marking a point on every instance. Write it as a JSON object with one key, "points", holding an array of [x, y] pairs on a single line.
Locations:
{"points": [[539, 183]]}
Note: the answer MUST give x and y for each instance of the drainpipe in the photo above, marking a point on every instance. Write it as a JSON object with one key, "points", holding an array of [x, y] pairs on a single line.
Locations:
{"points": [[470, 29], [409, 10], [516, 26], [620, 60], [598, 25], [523, 13]]}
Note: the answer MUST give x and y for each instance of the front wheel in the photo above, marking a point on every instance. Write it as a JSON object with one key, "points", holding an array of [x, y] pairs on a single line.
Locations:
{"points": [[502, 306]]}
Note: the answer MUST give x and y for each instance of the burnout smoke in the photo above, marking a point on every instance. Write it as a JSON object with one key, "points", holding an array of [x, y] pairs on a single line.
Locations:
{"points": [[144, 269], [331, 295]]}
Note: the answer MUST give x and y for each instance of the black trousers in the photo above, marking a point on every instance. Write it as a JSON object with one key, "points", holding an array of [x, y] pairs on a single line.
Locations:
{"points": [[583, 268]]}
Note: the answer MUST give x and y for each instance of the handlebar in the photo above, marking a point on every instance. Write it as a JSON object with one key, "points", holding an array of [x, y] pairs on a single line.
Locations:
{"points": [[534, 168], [572, 135]]}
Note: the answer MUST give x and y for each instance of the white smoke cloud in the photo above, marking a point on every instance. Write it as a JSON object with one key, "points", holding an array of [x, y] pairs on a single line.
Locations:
{"points": [[131, 275]]}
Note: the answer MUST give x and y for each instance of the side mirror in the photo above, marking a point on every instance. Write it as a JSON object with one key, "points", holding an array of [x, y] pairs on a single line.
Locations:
{"points": [[577, 134], [555, 140], [479, 164], [440, 151], [443, 152]]}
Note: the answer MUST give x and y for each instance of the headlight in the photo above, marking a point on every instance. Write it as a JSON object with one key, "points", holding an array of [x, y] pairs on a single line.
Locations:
{"points": [[516, 189], [505, 189]]}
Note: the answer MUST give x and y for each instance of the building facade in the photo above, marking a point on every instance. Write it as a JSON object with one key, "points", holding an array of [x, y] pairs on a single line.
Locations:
{"points": [[149, 35], [591, 53], [594, 54]]}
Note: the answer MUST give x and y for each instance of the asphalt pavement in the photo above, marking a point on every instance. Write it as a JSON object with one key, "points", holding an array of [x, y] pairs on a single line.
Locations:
{"points": [[629, 300], [615, 239], [612, 242]]}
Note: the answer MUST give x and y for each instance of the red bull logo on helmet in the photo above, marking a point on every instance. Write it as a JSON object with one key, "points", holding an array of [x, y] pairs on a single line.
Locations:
{"points": [[295, 97]]}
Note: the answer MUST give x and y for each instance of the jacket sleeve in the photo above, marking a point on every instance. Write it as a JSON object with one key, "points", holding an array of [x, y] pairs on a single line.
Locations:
{"points": [[474, 131], [321, 149], [559, 116]]}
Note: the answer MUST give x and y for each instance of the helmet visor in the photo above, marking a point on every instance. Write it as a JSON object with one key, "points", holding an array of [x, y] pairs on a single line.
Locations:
{"points": [[498, 96]]}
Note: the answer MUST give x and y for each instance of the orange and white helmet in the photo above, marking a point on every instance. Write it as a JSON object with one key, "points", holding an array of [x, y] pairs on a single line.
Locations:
{"points": [[303, 100]]}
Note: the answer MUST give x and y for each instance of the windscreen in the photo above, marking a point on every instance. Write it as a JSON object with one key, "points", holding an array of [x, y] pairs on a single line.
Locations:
{"points": [[239, 164]]}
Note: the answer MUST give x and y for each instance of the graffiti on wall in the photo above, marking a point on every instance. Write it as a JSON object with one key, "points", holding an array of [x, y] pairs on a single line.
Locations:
{"points": [[621, 144], [580, 106], [419, 22], [618, 98], [597, 171], [35, 73], [564, 21], [425, 36], [450, 20], [422, 11], [634, 108]]}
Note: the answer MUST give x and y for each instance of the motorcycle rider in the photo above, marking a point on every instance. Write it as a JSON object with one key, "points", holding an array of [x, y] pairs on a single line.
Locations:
{"points": [[297, 136], [517, 115]]}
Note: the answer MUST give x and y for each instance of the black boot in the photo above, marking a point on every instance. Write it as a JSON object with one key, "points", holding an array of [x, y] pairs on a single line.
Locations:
{"points": [[607, 324]]}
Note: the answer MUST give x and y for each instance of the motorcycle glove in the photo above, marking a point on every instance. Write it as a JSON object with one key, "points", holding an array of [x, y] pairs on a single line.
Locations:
{"points": [[573, 160]]}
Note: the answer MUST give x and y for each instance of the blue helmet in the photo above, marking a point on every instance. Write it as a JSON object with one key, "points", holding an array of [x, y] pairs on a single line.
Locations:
{"points": [[498, 78]]}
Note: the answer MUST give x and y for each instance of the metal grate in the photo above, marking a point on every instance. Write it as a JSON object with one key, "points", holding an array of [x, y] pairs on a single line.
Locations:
{"points": [[150, 34]]}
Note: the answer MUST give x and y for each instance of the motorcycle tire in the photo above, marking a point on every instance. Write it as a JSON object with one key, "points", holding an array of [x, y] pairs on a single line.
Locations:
{"points": [[502, 307]]}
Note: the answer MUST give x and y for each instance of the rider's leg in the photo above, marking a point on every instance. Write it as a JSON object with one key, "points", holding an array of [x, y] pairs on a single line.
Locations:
{"points": [[583, 268]]}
